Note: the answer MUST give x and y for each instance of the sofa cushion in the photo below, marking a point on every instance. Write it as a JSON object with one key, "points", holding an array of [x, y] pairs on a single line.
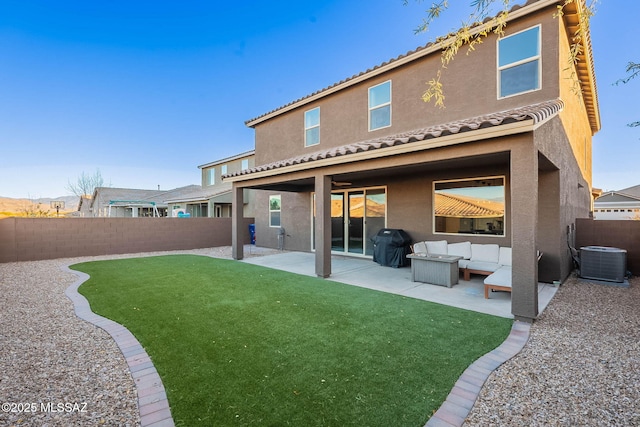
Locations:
{"points": [[485, 253], [419, 248], [463, 263], [501, 277], [505, 256], [438, 247], [483, 266], [462, 249]]}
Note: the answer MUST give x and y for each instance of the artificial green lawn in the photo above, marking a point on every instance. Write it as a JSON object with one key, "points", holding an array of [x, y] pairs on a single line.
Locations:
{"points": [[238, 344]]}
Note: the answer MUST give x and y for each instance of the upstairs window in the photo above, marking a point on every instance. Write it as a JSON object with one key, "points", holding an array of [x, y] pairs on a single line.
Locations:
{"points": [[312, 127], [211, 176], [223, 170], [380, 106], [245, 164], [519, 63]]}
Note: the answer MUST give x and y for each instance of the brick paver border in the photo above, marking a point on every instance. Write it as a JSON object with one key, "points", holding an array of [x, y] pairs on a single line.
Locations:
{"points": [[152, 398], [458, 404]]}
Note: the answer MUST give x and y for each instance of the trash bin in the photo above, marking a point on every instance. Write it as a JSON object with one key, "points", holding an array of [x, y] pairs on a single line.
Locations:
{"points": [[252, 233], [391, 247]]}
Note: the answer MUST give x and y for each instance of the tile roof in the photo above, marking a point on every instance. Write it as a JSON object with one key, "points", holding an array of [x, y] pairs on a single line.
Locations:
{"points": [[615, 196], [454, 205], [105, 195], [200, 194], [536, 112], [357, 206], [631, 191]]}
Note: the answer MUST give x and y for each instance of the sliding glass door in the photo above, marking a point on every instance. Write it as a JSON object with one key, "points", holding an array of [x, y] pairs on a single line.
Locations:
{"points": [[337, 222], [356, 217], [375, 214], [356, 223]]}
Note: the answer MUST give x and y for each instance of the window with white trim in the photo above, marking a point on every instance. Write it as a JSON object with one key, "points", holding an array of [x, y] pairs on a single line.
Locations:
{"points": [[275, 207], [519, 63], [223, 170], [380, 106], [245, 164], [312, 127], [211, 176]]}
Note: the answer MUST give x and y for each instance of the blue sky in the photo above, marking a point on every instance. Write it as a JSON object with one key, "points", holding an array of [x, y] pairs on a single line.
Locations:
{"points": [[145, 91]]}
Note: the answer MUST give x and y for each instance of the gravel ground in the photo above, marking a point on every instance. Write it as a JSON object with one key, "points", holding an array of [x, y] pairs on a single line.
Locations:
{"points": [[56, 369], [581, 365]]}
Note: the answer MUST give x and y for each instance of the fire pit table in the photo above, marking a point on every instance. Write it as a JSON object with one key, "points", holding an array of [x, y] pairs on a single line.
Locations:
{"points": [[435, 269]]}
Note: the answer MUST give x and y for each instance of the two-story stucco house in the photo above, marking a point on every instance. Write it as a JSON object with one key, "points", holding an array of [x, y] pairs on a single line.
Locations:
{"points": [[367, 152], [213, 198]]}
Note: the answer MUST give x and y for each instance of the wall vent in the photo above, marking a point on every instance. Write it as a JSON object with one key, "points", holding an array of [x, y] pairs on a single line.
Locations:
{"points": [[603, 263]]}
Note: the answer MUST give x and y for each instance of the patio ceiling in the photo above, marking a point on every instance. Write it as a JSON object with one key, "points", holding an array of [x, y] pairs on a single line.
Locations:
{"points": [[367, 176]]}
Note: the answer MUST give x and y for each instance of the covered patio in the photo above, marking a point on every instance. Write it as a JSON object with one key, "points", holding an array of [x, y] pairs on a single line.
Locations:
{"points": [[468, 295], [506, 149]]}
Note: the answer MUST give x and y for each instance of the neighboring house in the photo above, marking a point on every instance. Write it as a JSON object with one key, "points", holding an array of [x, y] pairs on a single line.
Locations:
{"points": [[213, 198], [132, 203], [84, 206], [623, 204], [513, 134]]}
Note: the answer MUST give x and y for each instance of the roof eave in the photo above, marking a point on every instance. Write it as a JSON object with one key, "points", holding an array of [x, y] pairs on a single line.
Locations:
{"points": [[443, 141], [228, 159], [585, 67]]}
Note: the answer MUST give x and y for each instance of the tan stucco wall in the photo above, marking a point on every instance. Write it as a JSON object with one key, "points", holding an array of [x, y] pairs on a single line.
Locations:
{"points": [[574, 195], [574, 116], [295, 218], [470, 83]]}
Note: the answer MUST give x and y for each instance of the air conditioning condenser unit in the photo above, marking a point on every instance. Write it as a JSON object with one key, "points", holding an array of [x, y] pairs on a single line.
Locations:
{"points": [[603, 263]]}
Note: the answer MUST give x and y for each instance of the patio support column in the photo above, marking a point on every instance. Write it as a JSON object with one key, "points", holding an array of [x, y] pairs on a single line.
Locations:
{"points": [[323, 225], [237, 213], [524, 226]]}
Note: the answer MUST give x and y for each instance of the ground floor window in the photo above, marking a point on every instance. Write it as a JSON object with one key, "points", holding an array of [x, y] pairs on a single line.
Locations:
{"points": [[275, 207], [356, 217], [469, 206]]}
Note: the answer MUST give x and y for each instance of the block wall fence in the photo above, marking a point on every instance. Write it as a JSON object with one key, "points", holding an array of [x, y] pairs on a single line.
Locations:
{"points": [[623, 234], [33, 239]]}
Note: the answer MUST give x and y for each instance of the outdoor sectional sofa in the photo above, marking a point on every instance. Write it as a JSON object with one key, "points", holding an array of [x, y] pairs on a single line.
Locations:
{"points": [[489, 260]]}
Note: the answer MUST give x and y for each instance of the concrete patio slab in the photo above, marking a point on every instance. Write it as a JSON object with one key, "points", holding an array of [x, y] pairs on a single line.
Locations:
{"points": [[363, 272]]}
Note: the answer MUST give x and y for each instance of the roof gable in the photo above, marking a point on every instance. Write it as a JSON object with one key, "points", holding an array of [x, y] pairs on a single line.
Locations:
{"points": [[616, 197]]}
